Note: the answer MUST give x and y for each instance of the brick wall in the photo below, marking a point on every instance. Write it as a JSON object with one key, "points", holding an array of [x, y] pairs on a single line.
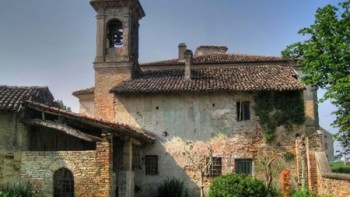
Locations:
{"points": [[105, 80], [91, 169], [329, 183]]}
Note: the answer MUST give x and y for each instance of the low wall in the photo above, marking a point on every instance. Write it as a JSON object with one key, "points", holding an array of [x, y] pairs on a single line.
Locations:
{"points": [[10, 163], [91, 170], [329, 183]]}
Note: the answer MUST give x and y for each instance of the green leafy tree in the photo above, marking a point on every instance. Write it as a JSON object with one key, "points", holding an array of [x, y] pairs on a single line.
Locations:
{"points": [[59, 104], [325, 59]]}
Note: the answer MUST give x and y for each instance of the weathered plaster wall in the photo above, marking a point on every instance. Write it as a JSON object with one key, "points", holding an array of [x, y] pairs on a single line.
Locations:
{"points": [[13, 133], [190, 117], [10, 163], [204, 119], [91, 170], [86, 105]]}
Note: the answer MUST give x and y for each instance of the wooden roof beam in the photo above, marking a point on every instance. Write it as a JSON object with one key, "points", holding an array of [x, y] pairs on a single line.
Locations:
{"points": [[63, 128]]}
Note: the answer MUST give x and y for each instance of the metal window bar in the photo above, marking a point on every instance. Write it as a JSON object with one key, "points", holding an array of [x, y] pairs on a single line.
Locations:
{"points": [[215, 169], [151, 162], [243, 166]]}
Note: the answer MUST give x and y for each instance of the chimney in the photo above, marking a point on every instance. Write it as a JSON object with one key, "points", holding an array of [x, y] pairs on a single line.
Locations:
{"points": [[182, 49], [188, 61], [208, 50]]}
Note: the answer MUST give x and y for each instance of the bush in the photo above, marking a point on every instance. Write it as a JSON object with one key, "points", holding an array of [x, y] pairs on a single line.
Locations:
{"points": [[172, 188], [17, 191], [237, 185], [303, 193]]}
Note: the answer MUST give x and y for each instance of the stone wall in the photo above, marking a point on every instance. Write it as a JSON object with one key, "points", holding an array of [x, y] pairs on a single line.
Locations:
{"points": [[91, 170], [333, 184]]}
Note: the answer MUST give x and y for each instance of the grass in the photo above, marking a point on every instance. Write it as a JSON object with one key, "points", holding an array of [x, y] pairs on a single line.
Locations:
{"points": [[340, 167]]}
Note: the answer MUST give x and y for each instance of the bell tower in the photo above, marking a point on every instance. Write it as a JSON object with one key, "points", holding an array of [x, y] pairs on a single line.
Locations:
{"points": [[117, 48]]}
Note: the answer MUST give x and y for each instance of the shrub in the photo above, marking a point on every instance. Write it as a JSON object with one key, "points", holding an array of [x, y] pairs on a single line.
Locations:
{"points": [[172, 188], [17, 191], [237, 185]]}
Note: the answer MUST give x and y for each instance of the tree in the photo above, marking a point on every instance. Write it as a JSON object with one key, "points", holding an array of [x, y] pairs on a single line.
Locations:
{"points": [[59, 104], [345, 144], [200, 157], [325, 60]]}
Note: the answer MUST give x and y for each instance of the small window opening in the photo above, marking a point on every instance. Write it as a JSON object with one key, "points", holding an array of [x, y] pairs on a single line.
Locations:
{"points": [[243, 110], [215, 168], [115, 34], [213, 104], [157, 108], [243, 166], [151, 162], [63, 183]]}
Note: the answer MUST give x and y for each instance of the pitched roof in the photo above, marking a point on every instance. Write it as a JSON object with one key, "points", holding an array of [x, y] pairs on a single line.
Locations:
{"points": [[220, 58], [11, 97], [116, 127], [214, 79], [84, 91]]}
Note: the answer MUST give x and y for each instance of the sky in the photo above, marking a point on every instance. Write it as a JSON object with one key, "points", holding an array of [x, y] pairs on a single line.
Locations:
{"points": [[52, 43]]}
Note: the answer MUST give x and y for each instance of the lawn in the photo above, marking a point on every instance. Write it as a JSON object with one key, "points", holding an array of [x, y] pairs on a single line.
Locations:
{"points": [[340, 167]]}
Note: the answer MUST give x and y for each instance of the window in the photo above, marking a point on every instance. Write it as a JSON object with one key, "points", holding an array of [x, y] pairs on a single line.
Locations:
{"points": [[243, 166], [215, 168], [151, 162], [115, 34], [243, 110], [325, 146], [63, 183]]}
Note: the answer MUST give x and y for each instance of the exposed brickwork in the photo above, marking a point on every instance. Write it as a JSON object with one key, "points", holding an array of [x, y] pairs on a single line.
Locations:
{"points": [[105, 80], [91, 170], [330, 184]]}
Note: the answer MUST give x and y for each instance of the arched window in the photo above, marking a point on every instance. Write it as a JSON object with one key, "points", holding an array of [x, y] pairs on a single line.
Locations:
{"points": [[114, 33], [63, 183]]}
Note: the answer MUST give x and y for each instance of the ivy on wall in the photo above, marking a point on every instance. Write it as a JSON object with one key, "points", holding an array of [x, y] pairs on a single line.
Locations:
{"points": [[276, 109]]}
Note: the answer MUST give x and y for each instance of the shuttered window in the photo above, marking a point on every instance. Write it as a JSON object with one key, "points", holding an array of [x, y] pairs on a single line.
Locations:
{"points": [[243, 166]]}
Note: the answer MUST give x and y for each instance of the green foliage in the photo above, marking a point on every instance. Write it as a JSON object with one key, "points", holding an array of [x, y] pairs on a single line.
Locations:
{"points": [[303, 193], [340, 167], [325, 56], [17, 191], [237, 185], [273, 191], [288, 156], [59, 104], [172, 188], [275, 109]]}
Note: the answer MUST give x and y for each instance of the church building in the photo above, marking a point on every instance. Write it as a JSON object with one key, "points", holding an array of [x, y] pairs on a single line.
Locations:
{"points": [[197, 116]]}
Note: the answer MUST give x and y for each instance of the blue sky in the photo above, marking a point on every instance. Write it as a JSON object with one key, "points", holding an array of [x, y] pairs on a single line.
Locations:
{"points": [[52, 43]]}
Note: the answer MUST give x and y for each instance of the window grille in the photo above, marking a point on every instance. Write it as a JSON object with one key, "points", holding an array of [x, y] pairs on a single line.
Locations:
{"points": [[151, 162], [243, 166], [215, 168], [243, 110]]}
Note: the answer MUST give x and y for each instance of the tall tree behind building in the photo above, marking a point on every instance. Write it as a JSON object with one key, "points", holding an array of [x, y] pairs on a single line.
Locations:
{"points": [[325, 57]]}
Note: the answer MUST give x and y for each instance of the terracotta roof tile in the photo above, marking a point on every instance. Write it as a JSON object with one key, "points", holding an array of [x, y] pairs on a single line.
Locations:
{"points": [[220, 58], [11, 97], [214, 79], [125, 129], [84, 91]]}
